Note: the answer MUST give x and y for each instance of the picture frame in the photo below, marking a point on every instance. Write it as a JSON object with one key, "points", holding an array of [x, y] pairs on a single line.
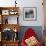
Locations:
{"points": [[30, 13], [5, 12], [13, 12]]}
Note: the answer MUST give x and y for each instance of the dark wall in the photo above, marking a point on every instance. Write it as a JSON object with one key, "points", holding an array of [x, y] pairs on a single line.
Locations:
{"points": [[37, 29]]}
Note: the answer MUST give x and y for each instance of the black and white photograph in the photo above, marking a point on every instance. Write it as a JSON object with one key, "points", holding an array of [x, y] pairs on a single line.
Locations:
{"points": [[30, 13]]}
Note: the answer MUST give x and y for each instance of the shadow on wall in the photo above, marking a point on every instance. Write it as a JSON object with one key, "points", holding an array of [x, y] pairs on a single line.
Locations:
{"points": [[37, 29]]}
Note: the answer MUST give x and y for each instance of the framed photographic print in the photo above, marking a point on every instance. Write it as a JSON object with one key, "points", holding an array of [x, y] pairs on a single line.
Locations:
{"points": [[13, 12], [30, 13], [5, 12]]}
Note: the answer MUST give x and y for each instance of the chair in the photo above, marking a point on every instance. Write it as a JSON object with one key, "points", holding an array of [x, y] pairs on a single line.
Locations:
{"points": [[28, 34]]}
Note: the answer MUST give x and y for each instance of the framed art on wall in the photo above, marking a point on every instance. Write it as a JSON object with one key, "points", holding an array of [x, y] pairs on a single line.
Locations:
{"points": [[5, 12], [30, 13]]}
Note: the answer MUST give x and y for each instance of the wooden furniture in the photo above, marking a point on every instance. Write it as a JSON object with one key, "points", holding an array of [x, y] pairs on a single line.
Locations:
{"points": [[44, 8], [0, 43], [8, 11], [10, 43], [44, 35], [5, 13]]}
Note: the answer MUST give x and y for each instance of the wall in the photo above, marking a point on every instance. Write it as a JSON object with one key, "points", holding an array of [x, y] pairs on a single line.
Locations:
{"points": [[38, 5], [27, 3], [6, 3]]}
